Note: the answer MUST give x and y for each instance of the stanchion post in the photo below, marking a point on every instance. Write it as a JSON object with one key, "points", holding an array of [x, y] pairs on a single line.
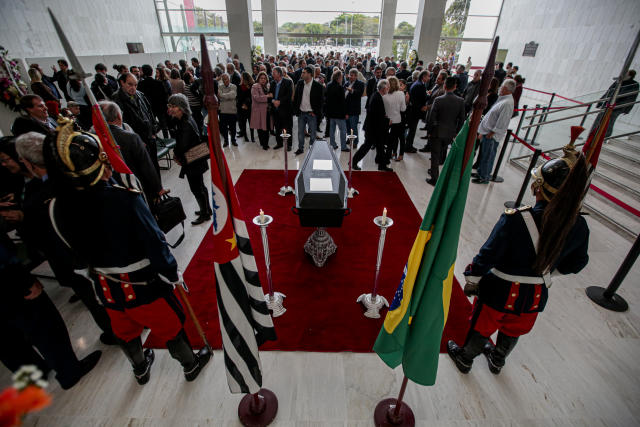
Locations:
{"points": [[495, 177], [544, 117], [526, 135], [584, 118], [608, 298], [525, 183], [535, 133], [520, 121]]}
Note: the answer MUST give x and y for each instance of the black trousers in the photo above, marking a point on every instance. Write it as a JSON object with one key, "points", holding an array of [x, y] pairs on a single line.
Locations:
{"points": [[376, 139], [437, 147], [152, 149], [283, 123], [197, 187], [228, 126], [413, 125], [37, 323], [263, 137], [396, 138], [243, 117]]}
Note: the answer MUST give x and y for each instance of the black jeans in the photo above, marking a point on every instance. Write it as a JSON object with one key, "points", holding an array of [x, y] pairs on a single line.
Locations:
{"points": [[228, 126], [197, 187], [263, 137], [413, 125]]}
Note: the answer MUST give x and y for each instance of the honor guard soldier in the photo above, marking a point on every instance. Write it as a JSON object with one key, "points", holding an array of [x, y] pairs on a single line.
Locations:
{"points": [[511, 273], [115, 237]]}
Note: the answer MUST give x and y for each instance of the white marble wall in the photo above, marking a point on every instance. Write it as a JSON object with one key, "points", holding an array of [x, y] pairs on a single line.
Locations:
{"points": [[92, 27], [582, 43]]}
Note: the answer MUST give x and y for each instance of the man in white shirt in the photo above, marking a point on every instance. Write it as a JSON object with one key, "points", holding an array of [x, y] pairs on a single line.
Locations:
{"points": [[493, 129], [307, 105]]}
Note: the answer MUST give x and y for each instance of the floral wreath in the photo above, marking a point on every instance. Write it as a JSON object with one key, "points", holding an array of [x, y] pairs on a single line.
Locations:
{"points": [[413, 59], [12, 88]]}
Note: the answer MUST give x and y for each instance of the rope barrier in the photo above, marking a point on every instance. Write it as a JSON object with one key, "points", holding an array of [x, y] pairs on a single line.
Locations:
{"points": [[549, 93], [595, 188], [538, 109]]}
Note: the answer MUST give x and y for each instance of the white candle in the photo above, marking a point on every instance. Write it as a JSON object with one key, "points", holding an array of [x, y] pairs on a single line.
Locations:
{"points": [[384, 216], [261, 216], [351, 131]]}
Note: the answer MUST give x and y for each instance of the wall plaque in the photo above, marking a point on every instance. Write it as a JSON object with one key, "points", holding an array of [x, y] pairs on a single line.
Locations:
{"points": [[530, 49]]}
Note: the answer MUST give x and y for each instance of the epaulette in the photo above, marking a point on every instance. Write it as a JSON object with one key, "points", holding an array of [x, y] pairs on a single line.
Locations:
{"points": [[122, 187], [511, 211]]}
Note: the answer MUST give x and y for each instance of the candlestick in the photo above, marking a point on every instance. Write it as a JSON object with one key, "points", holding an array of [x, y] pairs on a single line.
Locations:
{"points": [[286, 188], [374, 302], [274, 299]]}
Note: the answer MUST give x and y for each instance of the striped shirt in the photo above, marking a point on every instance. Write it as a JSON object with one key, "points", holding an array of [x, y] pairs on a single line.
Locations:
{"points": [[498, 118]]}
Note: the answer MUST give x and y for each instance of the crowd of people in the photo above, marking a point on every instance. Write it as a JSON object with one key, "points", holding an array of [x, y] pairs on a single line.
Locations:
{"points": [[145, 105]]}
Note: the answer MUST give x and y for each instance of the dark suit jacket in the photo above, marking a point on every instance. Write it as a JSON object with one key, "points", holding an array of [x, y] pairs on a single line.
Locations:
{"points": [[136, 112], [403, 74], [376, 123], [315, 97], [136, 156], [446, 116], [371, 89], [354, 105], [285, 110], [29, 124], [155, 92], [336, 101], [417, 98]]}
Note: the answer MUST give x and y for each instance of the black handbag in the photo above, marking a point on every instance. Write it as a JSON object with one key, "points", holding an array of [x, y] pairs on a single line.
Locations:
{"points": [[169, 212]]}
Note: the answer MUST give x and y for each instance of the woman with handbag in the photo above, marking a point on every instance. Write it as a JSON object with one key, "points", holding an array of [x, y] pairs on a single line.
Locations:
{"points": [[190, 153], [259, 119]]}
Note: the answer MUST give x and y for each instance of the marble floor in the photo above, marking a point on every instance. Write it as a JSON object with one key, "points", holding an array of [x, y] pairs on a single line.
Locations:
{"points": [[578, 367]]}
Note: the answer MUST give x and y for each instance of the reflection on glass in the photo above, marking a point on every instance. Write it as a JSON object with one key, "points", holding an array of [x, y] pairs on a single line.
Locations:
{"points": [[329, 23], [331, 5]]}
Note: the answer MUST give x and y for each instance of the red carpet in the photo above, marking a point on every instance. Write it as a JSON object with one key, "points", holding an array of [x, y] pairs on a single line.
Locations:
{"points": [[322, 313]]}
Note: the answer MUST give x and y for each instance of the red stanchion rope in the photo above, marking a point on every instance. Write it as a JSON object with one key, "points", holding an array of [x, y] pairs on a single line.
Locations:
{"points": [[595, 188], [538, 109], [549, 93]]}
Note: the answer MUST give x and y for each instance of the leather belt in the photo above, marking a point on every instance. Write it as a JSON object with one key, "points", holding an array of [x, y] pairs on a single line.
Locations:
{"points": [[533, 280]]}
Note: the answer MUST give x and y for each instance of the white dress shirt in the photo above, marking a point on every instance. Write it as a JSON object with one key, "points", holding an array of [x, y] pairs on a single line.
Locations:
{"points": [[305, 103], [498, 118]]}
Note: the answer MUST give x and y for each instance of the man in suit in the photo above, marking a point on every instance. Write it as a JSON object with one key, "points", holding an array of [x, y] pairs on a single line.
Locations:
{"points": [[307, 105], [355, 90], [134, 152], [37, 118], [445, 120], [417, 107], [376, 128], [372, 83], [137, 113], [403, 73], [281, 93]]}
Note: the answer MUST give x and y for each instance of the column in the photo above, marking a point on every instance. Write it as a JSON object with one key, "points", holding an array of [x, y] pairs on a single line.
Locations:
{"points": [[240, 24], [426, 37], [270, 27], [387, 27]]}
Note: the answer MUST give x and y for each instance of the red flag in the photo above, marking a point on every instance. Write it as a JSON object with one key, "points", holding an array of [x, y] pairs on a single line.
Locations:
{"points": [[108, 144], [592, 147]]}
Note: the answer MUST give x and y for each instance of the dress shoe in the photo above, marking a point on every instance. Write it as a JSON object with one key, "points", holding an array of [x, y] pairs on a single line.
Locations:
{"points": [[225, 143], [201, 219], [86, 365], [265, 147], [202, 358], [345, 150], [398, 159], [234, 143], [431, 181], [298, 152], [335, 147], [456, 354], [475, 175], [411, 150], [356, 168], [385, 169], [289, 148], [479, 181], [143, 372], [425, 149]]}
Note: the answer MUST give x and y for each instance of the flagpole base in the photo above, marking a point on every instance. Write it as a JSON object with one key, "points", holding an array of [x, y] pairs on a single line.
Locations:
{"points": [[275, 303], [352, 192], [384, 414], [285, 189], [373, 305], [320, 246], [261, 414]]}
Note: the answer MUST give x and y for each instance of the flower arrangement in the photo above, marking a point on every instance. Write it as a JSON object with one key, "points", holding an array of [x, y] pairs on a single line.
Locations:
{"points": [[26, 395], [413, 59], [256, 51], [12, 88]]}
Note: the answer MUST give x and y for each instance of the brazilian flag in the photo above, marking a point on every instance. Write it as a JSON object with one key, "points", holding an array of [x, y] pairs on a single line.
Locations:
{"points": [[413, 326]]}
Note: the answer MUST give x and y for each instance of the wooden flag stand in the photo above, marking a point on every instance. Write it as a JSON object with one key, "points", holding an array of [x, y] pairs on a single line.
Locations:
{"points": [[394, 412], [258, 409]]}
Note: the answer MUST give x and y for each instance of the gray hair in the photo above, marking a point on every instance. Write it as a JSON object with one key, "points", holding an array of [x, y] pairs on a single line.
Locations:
{"points": [[29, 147], [414, 75], [353, 71], [382, 84], [180, 101], [510, 85], [111, 110]]}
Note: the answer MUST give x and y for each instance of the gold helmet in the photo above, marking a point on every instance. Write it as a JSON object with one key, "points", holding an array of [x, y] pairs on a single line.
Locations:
{"points": [[78, 155], [550, 176]]}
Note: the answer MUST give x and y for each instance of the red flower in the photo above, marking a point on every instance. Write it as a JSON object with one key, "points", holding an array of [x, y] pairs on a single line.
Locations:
{"points": [[15, 404]]}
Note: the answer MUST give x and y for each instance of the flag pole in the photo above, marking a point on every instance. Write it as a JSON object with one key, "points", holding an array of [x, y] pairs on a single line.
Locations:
{"points": [[257, 409], [394, 412]]}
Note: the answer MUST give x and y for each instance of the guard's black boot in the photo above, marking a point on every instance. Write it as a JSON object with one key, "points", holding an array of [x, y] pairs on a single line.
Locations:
{"points": [[463, 356], [496, 355], [140, 360], [192, 364]]}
